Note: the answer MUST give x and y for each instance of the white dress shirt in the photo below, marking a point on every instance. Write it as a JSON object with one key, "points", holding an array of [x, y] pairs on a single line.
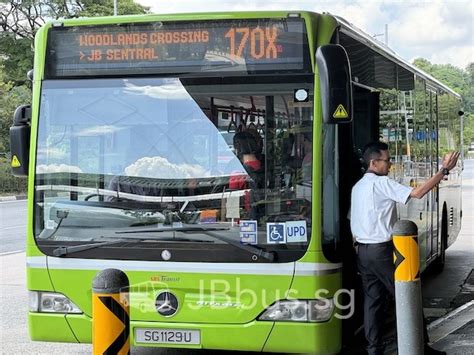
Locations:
{"points": [[374, 207]]}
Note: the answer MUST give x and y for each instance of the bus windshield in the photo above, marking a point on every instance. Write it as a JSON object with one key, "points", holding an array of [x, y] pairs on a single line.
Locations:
{"points": [[190, 164]]}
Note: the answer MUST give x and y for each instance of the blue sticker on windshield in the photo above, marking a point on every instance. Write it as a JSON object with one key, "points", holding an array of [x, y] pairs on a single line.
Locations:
{"points": [[248, 232], [276, 233]]}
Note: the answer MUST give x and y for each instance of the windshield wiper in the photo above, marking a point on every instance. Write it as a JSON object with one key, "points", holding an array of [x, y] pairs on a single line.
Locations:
{"points": [[62, 251], [174, 229], [259, 251], [208, 230]]}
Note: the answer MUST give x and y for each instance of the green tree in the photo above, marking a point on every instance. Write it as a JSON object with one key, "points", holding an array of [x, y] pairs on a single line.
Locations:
{"points": [[19, 21], [16, 58], [106, 8], [469, 93], [11, 96], [423, 64]]}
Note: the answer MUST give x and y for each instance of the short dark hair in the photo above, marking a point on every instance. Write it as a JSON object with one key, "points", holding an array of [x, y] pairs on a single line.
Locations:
{"points": [[373, 150], [245, 143]]}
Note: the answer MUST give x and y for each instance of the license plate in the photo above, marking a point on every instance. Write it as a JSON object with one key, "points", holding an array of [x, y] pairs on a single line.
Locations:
{"points": [[167, 336]]}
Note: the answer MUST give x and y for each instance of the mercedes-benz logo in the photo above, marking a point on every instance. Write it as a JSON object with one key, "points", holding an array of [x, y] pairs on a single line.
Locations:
{"points": [[166, 304]]}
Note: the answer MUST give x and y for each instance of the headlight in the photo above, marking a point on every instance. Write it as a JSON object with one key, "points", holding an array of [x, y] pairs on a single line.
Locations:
{"points": [[49, 302], [299, 311]]}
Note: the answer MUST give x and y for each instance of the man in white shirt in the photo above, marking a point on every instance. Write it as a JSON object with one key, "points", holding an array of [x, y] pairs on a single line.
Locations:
{"points": [[373, 214]]}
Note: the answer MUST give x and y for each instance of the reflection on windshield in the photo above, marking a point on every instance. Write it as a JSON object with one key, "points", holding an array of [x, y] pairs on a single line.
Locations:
{"points": [[122, 153], [148, 128], [161, 167]]}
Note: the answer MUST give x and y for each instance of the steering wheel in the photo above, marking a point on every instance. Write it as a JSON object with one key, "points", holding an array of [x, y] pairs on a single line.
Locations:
{"points": [[90, 196]]}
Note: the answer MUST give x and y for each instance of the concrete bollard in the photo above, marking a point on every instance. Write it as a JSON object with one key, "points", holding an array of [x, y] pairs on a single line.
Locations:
{"points": [[110, 313], [408, 289]]}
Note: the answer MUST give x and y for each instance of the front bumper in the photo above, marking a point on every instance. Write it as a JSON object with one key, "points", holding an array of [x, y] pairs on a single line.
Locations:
{"points": [[282, 337]]}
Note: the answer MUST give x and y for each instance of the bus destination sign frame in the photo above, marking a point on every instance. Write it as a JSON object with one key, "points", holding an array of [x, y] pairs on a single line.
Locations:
{"points": [[243, 46]]}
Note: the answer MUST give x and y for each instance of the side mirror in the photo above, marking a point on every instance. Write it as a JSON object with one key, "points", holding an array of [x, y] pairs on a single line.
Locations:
{"points": [[335, 81], [20, 140]]}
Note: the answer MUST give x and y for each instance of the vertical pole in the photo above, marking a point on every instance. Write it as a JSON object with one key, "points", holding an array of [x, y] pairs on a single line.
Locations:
{"points": [[115, 7], [408, 289], [110, 313]]}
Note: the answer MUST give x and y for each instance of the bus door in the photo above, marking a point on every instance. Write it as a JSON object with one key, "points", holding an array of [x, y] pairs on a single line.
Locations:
{"points": [[350, 139], [432, 152]]}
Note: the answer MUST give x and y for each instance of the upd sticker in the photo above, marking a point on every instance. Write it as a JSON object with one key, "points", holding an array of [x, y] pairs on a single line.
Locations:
{"points": [[296, 232]]}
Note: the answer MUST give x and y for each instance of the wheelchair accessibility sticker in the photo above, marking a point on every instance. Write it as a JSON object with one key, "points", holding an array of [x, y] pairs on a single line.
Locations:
{"points": [[276, 233], [289, 232]]}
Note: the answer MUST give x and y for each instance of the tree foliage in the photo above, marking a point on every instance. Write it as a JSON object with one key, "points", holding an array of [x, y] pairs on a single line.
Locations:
{"points": [[10, 98], [106, 8]]}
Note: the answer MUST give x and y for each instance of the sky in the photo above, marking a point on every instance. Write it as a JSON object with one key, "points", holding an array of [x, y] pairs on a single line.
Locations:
{"points": [[439, 31]]}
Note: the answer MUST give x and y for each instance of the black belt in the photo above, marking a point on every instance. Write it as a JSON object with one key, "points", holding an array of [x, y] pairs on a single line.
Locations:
{"points": [[368, 244]]}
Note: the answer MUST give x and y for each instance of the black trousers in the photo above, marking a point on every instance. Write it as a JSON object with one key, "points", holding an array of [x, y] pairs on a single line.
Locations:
{"points": [[375, 263]]}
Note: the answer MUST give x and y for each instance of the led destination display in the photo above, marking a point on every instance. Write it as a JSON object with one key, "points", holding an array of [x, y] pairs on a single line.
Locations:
{"points": [[160, 47]]}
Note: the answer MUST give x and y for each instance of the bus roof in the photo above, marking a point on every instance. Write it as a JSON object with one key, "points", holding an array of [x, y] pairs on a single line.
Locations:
{"points": [[361, 36]]}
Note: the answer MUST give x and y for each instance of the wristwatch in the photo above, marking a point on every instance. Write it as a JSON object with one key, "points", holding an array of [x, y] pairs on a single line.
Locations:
{"points": [[445, 171]]}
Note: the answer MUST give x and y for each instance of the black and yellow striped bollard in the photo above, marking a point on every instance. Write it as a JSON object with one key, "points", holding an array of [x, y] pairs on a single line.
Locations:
{"points": [[409, 310], [110, 313]]}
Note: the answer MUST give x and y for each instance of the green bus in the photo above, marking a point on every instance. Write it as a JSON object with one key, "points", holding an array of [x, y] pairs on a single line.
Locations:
{"points": [[210, 157]]}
